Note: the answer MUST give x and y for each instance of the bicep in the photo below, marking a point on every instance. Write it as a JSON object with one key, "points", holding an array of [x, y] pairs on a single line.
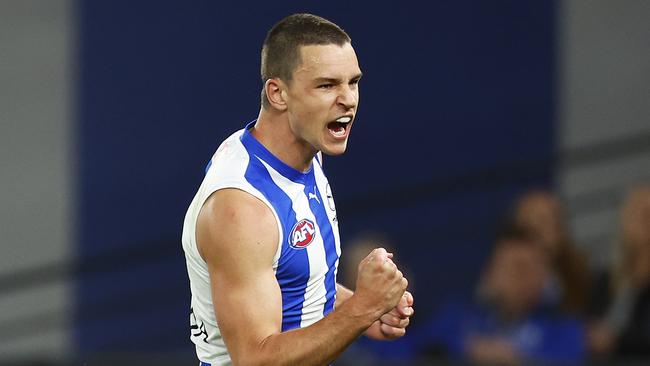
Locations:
{"points": [[238, 237], [248, 310]]}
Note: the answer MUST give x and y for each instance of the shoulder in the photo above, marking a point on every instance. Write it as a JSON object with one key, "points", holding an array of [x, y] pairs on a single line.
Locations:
{"points": [[234, 205], [232, 222], [555, 324], [231, 152]]}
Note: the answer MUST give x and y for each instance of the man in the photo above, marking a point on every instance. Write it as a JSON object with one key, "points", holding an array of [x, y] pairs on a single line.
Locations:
{"points": [[261, 235], [510, 324]]}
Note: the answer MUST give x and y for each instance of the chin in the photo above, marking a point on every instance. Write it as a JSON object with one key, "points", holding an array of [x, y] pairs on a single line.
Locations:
{"points": [[338, 149]]}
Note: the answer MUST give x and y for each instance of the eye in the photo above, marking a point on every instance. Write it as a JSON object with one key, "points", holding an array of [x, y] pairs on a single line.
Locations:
{"points": [[326, 86]]}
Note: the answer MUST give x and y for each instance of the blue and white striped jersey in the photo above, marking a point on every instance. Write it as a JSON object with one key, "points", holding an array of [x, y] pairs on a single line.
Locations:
{"points": [[308, 251]]}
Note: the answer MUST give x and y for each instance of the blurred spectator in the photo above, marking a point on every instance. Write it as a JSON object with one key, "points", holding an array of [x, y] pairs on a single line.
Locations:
{"points": [[355, 251], [365, 351], [508, 324], [541, 214], [624, 329]]}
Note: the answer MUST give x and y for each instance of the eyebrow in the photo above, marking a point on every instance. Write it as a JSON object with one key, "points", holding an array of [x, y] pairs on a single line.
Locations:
{"points": [[335, 80]]}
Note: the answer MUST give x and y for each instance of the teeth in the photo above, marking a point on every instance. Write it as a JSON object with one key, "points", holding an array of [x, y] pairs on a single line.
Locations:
{"points": [[344, 119]]}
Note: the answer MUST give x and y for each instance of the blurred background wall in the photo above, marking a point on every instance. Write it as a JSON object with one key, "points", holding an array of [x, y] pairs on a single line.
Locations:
{"points": [[456, 117], [110, 110], [603, 113], [38, 177]]}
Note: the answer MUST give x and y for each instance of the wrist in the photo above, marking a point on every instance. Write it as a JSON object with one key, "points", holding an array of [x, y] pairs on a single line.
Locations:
{"points": [[362, 312]]}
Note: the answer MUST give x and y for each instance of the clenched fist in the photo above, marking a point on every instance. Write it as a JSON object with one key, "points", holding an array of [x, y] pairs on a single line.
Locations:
{"points": [[380, 284]]}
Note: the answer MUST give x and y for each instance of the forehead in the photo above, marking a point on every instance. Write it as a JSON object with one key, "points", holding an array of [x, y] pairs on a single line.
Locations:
{"points": [[510, 251], [330, 61], [539, 204]]}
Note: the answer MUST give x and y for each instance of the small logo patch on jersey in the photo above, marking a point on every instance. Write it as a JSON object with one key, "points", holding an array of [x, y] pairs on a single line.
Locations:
{"points": [[330, 197], [302, 234]]}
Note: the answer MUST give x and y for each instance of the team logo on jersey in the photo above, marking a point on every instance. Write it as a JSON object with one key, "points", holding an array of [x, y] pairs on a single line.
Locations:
{"points": [[314, 195], [302, 234], [330, 197]]}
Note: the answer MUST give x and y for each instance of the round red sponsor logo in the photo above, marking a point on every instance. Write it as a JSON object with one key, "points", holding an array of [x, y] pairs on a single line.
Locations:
{"points": [[302, 234]]}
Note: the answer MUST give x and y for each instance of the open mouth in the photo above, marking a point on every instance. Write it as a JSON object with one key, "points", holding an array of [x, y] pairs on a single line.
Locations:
{"points": [[340, 126]]}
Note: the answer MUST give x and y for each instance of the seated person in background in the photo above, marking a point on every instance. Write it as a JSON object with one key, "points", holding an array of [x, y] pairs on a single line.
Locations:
{"points": [[509, 324], [541, 214], [354, 250], [624, 328], [365, 351]]}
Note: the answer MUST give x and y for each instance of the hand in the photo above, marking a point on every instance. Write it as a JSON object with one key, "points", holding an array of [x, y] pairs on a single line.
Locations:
{"points": [[392, 325], [380, 285]]}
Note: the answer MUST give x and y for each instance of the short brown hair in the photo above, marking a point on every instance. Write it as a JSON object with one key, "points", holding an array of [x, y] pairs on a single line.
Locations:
{"points": [[513, 234], [281, 49]]}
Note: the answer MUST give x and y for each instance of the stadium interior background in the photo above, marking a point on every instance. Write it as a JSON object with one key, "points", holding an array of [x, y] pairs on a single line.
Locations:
{"points": [[109, 111]]}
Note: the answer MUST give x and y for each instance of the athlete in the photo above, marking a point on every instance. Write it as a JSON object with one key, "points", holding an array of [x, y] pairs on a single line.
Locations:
{"points": [[261, 236]]}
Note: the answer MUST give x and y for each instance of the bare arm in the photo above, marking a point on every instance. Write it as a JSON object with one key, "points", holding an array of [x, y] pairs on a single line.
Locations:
{"points": [[238, 237]]}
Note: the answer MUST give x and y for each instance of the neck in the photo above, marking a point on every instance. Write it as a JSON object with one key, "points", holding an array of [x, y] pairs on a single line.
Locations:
{"points": [[273, 131]]}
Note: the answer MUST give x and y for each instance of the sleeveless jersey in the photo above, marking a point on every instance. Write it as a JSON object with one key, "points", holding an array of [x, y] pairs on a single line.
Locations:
{"points": [[307, 256]]}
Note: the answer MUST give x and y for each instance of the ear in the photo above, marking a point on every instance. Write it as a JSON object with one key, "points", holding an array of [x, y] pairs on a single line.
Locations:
{"points": [[276, 94]]}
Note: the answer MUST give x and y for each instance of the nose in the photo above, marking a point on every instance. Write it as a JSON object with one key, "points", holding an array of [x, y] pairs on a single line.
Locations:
{"points": [[348, 97]]}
